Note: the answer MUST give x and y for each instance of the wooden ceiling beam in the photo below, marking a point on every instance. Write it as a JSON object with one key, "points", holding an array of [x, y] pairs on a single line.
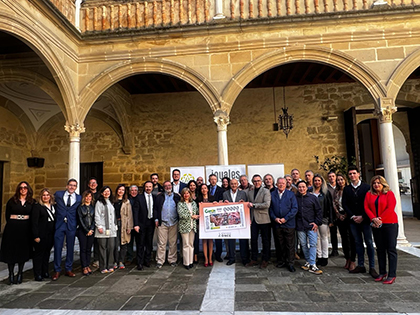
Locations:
{"points": [[290, 78], [305, 75]]}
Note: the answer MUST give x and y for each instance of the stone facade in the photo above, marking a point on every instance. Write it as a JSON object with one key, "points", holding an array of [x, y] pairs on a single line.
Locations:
{"points": [[380, 49]]}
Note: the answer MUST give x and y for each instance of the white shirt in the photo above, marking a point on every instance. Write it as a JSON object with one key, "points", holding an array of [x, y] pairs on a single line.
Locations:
{"points": [[175, 187], [358, 184], [149, 206], [281, 194], [72, 196], [233, 195]]}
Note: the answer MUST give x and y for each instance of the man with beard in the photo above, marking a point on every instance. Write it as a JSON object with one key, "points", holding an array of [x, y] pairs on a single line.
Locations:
{"points": [[167, 229]]}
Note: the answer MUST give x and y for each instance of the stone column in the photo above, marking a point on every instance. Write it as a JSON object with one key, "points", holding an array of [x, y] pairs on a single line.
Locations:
{"points": [[219, 10], [389, 159], [222, 120], [74, 152]]}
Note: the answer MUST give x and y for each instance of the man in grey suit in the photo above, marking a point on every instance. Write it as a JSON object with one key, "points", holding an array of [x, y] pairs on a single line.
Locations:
{"points": [[259, 203], [235, 195]]}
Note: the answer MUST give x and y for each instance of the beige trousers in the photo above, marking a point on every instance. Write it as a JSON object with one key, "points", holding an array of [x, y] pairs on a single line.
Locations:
{"points": [[165, 235], [188, 247]]}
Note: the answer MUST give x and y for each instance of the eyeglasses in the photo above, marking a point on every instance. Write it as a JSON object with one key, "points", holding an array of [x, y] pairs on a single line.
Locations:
{"points": [[23, 187]]}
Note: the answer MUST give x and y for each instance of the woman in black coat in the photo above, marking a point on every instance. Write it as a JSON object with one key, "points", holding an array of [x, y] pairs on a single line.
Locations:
{"points": [[43, 228], [16, 244]]}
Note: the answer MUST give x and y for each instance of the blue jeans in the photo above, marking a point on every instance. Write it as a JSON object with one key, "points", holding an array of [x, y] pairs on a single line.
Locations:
{"points": [[357, 230], [308, 238]]}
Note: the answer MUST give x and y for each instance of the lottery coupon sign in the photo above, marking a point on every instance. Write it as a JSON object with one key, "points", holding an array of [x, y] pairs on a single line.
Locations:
{"points": [[225, 220]]}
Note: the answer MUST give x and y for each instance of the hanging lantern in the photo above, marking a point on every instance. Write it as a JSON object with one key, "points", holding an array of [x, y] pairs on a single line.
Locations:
{"points": [[285, 120]]}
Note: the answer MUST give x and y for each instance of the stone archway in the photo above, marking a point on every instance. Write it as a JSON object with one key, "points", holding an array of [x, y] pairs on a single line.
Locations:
{"points": [[401, 73], [123, 70], [40, 42], [331, 57], [119, 98]]}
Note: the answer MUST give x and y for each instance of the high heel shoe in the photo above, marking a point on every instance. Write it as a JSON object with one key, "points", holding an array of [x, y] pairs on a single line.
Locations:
{"points": [[389, 280], [206, 264], [381, 278], [19, 278], [211, 263]]}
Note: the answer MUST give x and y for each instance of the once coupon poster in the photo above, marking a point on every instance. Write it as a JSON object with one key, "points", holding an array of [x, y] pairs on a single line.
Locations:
{"points": [[225, 220]]}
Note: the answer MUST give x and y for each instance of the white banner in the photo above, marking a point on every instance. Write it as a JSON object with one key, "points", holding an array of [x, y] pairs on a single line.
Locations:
{"points": [[231, 171], [277, 170], [190, 172]]}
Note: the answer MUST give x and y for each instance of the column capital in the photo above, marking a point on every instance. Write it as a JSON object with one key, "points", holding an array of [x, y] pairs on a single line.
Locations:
{"points": [[222, 120], [74, 130], [386, 109]]}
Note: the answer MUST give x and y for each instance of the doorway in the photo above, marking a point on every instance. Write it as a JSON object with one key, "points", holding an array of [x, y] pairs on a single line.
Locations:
{"points": [[1, 191]]}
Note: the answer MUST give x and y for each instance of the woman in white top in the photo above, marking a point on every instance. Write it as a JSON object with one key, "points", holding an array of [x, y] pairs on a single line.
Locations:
{"points": [[106, 229]]}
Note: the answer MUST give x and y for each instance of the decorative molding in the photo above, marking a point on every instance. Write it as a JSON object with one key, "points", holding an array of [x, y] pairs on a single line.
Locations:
{"points": [[386, 109], [75, 130], [222, 120]]}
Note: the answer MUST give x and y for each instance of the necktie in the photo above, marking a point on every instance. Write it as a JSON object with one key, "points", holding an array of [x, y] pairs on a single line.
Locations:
{"points": [[149, 208], [213, 190], [69, 201]]}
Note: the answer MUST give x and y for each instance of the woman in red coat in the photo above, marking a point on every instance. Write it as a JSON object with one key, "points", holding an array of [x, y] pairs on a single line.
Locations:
{"points": [[380, 207]]}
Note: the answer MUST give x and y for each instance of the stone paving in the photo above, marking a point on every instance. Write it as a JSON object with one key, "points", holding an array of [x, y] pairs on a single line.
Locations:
{"points": [[218, 290], [335, 290], [151, 289]]}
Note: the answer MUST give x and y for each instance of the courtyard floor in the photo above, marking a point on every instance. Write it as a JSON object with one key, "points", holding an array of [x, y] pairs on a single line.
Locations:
{"points": [[220, 289]]}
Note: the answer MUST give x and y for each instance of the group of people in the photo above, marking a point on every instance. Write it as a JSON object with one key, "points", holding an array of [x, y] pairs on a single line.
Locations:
{"points": [[292, 209]]}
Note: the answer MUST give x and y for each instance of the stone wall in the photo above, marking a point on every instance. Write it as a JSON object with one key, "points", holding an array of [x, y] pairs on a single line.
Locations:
{"points": [[14, 149], [252, 140]]}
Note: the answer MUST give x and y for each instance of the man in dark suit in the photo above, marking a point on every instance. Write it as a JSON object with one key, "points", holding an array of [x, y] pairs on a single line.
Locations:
{"points": [[145, 220], [353, 203], [216, 194], [259, 202], [67, 202], [236, 195], [283, 209], [177, 185]]}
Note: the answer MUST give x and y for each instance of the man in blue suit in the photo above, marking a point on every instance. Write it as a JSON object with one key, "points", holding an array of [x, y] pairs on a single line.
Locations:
{"points": [[283, 209], [67, 202]]}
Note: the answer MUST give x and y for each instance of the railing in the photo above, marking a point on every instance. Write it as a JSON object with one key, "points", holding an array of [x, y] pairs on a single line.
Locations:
{"points": [[110, 16], [67, 8]]}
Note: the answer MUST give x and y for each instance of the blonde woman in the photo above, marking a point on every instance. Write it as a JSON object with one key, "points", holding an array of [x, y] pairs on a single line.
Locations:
{"points": [[187, 226], [43, 228], [380, 205]]}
